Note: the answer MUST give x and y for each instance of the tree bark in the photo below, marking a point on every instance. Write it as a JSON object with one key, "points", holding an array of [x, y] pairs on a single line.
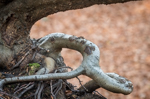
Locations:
{"points": [[18, 16]]}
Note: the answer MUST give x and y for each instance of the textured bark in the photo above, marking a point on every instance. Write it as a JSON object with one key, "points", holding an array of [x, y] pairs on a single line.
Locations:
{"points": [[90, 86], [14, 33], [34, 10], [18, 16]]}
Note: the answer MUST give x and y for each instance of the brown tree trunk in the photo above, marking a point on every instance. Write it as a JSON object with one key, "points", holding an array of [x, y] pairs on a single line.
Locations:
{"points": [[14, 31], [18, 16]]}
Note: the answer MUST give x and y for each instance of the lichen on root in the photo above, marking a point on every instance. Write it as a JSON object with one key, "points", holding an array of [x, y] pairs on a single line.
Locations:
{"points": [[52, 45]]}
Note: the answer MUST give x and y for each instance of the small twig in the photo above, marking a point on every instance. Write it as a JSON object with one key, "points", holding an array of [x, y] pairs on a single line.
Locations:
{"points": [[6, 74], [23, 87], [65, 67], [96, 92], [16, 65], [54, 97], [9, 95], [55, 71], [70, 86], [58, 89], [27, 89], [81, 84], [34, 55], [57, 86], [57, 83], [36, 93], [30, 96], [40, 91], [17, 87]]}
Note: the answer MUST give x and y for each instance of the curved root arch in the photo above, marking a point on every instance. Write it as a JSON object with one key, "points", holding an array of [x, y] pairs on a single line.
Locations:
{"points": [[51, 46]]}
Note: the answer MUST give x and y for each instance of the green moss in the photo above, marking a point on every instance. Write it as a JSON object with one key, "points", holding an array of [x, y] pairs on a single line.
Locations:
{"points": [[33, 67], [34, 64]]}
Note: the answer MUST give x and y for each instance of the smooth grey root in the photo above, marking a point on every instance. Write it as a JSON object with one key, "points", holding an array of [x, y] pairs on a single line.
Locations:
{"points": [[53, 43]]}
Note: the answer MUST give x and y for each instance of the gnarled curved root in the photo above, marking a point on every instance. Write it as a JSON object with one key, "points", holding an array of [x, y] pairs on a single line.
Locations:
{"points": [[52, 45], [92, 85]]}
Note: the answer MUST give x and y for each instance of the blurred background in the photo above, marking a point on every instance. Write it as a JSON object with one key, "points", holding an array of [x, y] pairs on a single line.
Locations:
{"points": [[122, 33]]}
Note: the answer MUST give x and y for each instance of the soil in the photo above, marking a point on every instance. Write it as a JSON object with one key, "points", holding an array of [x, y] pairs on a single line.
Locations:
{"points": [[122, 33]]}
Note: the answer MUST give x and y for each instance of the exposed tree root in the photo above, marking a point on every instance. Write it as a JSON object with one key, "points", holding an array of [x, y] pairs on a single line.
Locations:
{"points": [[54, 68]]}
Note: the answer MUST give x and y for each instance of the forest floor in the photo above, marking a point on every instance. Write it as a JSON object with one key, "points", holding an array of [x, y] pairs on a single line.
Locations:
{"points": [[122, 33]]}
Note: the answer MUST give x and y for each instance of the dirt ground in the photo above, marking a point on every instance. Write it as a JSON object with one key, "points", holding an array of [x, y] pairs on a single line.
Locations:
{"points": [[122, 33]]}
